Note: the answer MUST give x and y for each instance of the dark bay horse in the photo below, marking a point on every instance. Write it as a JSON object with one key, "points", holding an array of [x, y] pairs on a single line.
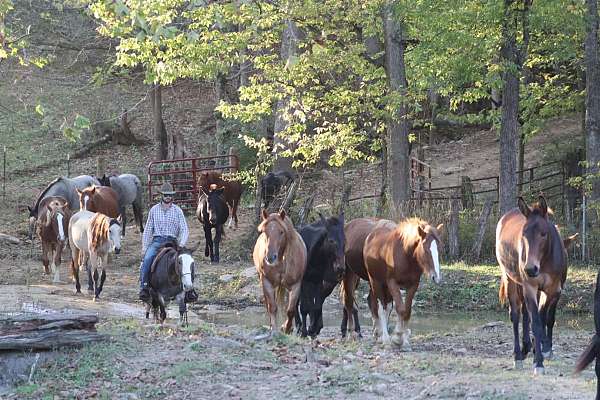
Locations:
{"points": [[272, 183], [593, 350], [63, 187], [171, 278], [129, 191], [100, 199], [52, 229], [232, 193], [212, 212], [395, 256], [280, 259], [325, 241], [533, 261]]}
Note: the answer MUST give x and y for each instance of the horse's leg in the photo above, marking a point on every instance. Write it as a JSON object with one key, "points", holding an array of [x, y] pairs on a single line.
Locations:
{"points": [[526, 343], [123, 214], [530, 294], [349, 283], [102, 279], [75, 269], [551, 303], [56, 249], [514, 309], [218, 234], [235, 207], [182, 308], [269, 293], [230, 207], [45, 258], [379, 312], [291, 308], [404, 310], [209, 242]]}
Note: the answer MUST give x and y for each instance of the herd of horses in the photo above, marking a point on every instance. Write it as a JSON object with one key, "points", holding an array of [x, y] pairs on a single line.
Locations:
{"points": [[310, 261]]}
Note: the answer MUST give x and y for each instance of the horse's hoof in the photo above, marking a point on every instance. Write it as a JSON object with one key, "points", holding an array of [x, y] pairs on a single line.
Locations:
{"points": [[549, 355], [538, 371], [518, 364]]}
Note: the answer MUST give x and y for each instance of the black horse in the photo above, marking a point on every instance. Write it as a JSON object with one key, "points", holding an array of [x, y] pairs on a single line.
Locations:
{"points": [[272, 183], [325, 268], [172, 278], [593, 350], [212, 212]]}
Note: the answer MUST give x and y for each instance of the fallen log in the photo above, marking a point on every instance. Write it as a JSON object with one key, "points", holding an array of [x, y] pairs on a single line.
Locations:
{"points": [[9, 239]]}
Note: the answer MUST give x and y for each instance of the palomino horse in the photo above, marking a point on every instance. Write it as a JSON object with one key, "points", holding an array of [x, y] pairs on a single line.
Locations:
{"points": [[533, 261], [129, 191], [593, 350], [172, 278], [52, 228], [101, 199], [280, 259], [212, 212], [395, 256], [232, 193], [92, 236], [65, 188]]}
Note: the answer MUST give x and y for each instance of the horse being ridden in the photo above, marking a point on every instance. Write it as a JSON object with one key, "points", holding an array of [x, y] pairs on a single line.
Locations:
{"points": [[395, 257], [533, 261], [231, 194], [129, 191], [593, 350], [212, 212], [280, 259], [93, 236], [324, 240], [52, 229], [61, 187]]}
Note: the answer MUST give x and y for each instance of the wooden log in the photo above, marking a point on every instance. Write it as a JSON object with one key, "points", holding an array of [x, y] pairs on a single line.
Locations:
{"points": [[29, 322], [483, 219], [48, 339], [9, 239]]}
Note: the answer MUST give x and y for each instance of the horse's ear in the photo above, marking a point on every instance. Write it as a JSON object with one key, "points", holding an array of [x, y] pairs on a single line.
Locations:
{"points": [[542, 205], [422, 232], [525, 209], [30, 209], [93, 190], [120, 220], [282, 214], [264, 214], [322, 218], [440, 227], [78, 191], [569, 240]]}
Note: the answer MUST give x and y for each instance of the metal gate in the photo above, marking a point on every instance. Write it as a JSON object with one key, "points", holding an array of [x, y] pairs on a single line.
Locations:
{"points": [[183, 174]]}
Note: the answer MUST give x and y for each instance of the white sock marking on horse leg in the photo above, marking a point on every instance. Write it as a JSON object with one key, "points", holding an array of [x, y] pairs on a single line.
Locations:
{"points": [[230, 222], [383, 323], [61, 231], [436, 261]]}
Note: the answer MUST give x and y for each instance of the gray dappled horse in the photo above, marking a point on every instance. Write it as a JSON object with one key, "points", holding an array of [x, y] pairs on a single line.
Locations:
{"points": [[61, 187], [129, 191]]}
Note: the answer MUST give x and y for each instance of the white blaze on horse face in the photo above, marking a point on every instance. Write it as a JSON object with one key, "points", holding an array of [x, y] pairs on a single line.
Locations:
{"points": [[115, 236], [186, 262], [436, 261], [61, 230], [85, 200]]}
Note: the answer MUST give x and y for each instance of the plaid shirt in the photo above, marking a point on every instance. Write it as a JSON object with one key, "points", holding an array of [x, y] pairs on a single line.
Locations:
{"points": [[169, 222]]}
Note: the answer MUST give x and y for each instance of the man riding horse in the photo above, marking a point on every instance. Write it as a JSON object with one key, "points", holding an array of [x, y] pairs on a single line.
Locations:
{"points": [[166, 223]]}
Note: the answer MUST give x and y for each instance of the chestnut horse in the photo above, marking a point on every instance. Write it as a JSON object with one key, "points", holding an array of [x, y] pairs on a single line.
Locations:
{"points": [[52, 228], [395, 256], [280, 259], [533, 261], [102, 199], [232, 193]]}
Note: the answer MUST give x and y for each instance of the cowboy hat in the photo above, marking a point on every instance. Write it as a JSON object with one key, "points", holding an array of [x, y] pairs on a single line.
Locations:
{"points": [[166, 189]]}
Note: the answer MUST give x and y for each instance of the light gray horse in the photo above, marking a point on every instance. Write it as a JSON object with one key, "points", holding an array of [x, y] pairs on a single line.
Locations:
{"points": [[129, 190], [65, 188]]}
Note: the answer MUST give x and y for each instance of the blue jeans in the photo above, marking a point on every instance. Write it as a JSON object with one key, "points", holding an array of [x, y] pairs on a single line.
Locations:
{"points": [[151, 251]]}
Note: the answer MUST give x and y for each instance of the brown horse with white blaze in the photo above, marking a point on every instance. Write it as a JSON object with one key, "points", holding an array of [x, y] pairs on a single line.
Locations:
{"points": [[101, 199], [533, 261], [52, 228], [280, 259], [395, 256]]}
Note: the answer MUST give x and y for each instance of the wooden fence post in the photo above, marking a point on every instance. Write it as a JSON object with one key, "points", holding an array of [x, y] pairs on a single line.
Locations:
{"points": [[483, 219], [453, 242], [466, 192]]}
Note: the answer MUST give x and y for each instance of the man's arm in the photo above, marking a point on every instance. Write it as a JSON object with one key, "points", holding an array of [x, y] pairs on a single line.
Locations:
{"points": [[183, 229], [148, 231]]}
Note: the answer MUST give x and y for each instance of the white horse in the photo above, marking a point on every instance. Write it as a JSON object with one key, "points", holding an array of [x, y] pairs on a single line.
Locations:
{"points": [[92, 236]]}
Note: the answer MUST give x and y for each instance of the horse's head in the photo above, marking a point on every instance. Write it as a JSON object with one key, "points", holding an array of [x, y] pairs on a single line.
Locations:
{"points": [[427, 250], [114, 234], [187, 265], [215, 203], [535, 237], [276, 232], [86, 197], [335, 241], [57, 218], [105, 180]]}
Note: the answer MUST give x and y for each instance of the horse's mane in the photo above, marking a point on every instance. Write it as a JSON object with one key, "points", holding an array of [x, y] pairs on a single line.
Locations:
{"points": [[100, 225], [40, 197], [286, 223], [408, 230]]}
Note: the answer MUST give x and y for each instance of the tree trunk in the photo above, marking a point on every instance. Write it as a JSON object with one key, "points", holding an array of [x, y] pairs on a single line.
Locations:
{"points": [[160, 132], [398, 150], [521, 165], [592, 96], [483, 219], [384, 181]]}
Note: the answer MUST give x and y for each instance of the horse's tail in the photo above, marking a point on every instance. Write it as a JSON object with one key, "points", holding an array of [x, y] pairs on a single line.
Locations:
{"points": [[593, 350], [503, 292]]}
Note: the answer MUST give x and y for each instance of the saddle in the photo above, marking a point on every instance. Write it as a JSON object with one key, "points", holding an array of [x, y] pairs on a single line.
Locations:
{"points": [[171, 250]]}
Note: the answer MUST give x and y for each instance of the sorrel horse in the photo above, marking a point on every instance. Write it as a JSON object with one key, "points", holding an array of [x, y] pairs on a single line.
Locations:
{"points": [[395, 256], [52, 228], [129, 191], [593, 350], [212, 212], [533, 261], [232, 193], [92, 236], [100, 199], [280, 259]]}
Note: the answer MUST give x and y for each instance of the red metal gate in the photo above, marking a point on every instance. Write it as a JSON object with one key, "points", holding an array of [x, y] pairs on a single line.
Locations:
{"points": [[183, 174]]}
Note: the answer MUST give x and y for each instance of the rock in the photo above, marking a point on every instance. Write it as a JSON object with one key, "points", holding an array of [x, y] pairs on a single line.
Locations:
{"points": [[226, 278], [249, 272], [493, 324], [380, 389]]}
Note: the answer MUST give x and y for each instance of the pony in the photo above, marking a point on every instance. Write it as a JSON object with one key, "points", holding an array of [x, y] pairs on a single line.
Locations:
{"points": [[129, 191], [92, 236], [280, 258], [62, 187], [212, 212], [52, 228], [100, 199], [593, 350], [232, 193], [533, 262], [272, 183], [172, 278], [325, 241], [395, 256]]}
